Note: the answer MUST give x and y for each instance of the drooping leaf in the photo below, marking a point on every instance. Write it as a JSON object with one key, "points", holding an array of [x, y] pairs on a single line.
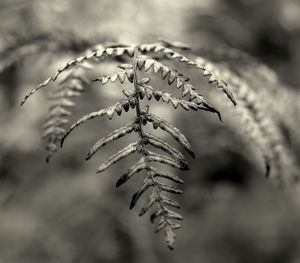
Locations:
{"points": [[120, 76], [169, 202], [173, 131], [173, 215], [175, 101], [116, 134], [98, 54], [53, 130], [156, 214], [199, 63], [107, 111], [153, 157], [167, 175], [148, 204], [71, 86], [170, 237], [145, 185], [170, 189], [160, 226], [159, 143], [131, 148], [136, 168], [55, 121]]}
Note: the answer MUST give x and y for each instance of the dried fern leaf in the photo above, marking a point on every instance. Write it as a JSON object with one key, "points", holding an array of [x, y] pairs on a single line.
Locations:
{"points": [[170, 189], [120, 76], [263, 131], [200, 63], [210, 70], [166, 175], [57, 112], [249, 114], [153, 157], [166, 224], [53, 130], [256, 134], [173, 215], [74, 84], [148, 204], [160, 144], [170, 237], [189, 89], [169, 202], [116, 134], [55, 121], [64, 93], [131, 148], [62, 103], [61, 99], [175, 101], [148, 63], [181, 83], [173, 131], [98, 54], [145, 185], [136, 168], [161, 225], [125, 103], [156, 214]]}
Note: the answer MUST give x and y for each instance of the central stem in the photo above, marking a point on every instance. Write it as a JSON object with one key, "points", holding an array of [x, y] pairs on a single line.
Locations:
{"points": [[136, 92], [141, 133]]}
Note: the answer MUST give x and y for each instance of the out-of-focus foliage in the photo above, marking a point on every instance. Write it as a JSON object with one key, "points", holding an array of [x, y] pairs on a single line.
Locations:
{"points": [[62, 212]]}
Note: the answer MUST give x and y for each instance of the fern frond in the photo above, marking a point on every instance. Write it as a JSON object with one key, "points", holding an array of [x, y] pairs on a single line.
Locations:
{"points": [[203, 64], [151, 200], [131, 148], [168, 98], [263, 131], [120, 76], [148, 63], [169, 128], [160, 144], [147, 183], [136, 168], [61, 99], [169, 202], [166, 215], [166, 175], [123, 104], [99, 54], [154, 157], [157, 180], [181, 83], [116, 134]]}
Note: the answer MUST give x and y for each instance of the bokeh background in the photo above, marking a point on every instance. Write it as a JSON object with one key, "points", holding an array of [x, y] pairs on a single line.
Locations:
{"points": [[64, 212]]}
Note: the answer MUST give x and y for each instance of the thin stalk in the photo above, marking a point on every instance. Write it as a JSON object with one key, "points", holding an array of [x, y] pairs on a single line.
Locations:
{"points": [[142, 134]]}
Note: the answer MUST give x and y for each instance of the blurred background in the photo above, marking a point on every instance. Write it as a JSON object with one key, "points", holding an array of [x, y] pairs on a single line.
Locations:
{"points": [[63, 212]]}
